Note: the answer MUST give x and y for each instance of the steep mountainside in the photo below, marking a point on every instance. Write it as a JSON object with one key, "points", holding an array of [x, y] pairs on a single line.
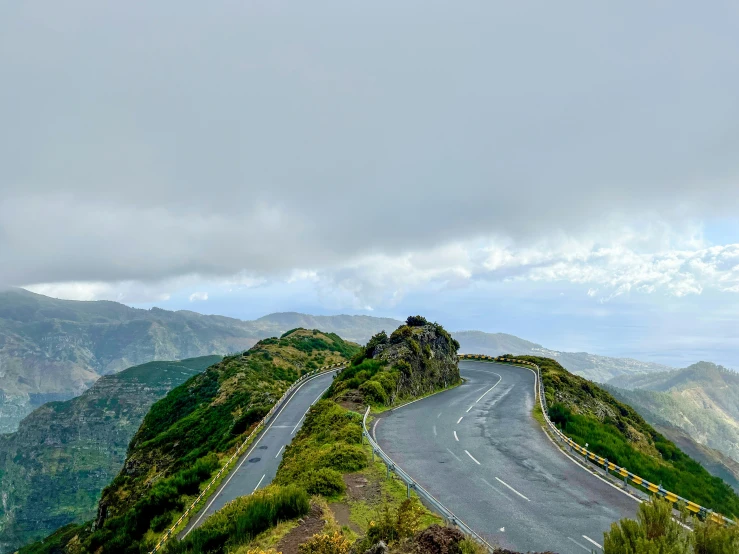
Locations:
{"points": [[190, 433], [702, 400], [54, 467], [589, 414], [590, 366], [55, 349]]}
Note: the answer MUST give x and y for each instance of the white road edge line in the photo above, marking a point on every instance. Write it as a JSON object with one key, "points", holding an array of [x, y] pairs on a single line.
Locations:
{"points": [[280, 450], [298, 423], [491, 388], [260, 482], [468, 409], [592, 541], [246, 456], [455, 436], [580, 545], [510, 487], [460, 419], [473, 459]]}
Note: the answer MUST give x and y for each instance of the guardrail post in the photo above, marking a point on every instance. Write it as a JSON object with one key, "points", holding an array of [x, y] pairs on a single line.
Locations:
{"points": [[408, 490], [387, 474]]}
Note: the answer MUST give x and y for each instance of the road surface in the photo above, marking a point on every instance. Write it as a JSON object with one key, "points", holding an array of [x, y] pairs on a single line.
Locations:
{"points": [[477, 449], [258, 466]]}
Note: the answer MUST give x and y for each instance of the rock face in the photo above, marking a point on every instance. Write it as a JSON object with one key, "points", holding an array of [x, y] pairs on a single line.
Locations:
{"points": [[424, 353], [53, 469]]}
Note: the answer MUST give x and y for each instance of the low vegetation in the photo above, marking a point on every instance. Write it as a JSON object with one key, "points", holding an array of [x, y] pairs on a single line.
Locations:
{"points": [[656, 532], [588, 414], [243, 519]]}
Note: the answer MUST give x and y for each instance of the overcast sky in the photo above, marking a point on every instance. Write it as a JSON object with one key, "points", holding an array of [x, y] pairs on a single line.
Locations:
{"points": [[568, 172]]}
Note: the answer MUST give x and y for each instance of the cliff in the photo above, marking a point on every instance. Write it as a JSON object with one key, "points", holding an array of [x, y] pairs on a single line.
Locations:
{"points": [[54, 467]]}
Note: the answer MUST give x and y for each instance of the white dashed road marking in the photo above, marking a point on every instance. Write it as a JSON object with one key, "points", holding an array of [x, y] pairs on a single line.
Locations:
{"points": [[260, 482], [456, 437], [580, 545], [473, 459], [592, 541], [280, 450], [510, 487], [460, 419]]}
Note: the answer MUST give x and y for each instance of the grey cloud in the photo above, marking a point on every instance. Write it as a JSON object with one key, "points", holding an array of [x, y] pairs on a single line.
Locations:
{"points": [[146, 141]]}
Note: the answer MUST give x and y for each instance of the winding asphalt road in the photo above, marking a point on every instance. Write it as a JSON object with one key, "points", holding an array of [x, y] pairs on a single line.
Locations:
{"points": [[258, 466], [477, 449]]}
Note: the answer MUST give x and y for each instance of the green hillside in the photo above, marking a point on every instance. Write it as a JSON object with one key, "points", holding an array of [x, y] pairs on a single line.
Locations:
{"points": [[614, 430], [187, 436], [54, 467], [702, 400]]}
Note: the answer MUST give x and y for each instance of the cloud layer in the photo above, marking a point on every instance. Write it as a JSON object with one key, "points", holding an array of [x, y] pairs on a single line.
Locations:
{"points": [[373, 148]]}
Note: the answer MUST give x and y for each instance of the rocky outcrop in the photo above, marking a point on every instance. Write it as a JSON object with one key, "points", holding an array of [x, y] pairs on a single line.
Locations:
{"points": [[424, 354]]}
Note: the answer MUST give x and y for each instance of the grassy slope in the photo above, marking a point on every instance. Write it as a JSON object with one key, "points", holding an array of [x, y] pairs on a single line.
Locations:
{"points": [[187, 435], [589, 414], [54, 467]]}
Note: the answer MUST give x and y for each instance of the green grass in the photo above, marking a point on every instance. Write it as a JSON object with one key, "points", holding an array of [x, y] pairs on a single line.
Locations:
{"points": [[243, 519]]}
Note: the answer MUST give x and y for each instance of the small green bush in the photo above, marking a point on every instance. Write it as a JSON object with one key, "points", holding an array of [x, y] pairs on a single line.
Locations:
{"points": [[343, 457], [416, 321], [373, 392], [324, 481]]}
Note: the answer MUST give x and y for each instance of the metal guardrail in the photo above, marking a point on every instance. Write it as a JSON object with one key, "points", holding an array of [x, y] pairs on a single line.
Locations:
{"points": [[275, 408], [411, 484], [603, 462]]}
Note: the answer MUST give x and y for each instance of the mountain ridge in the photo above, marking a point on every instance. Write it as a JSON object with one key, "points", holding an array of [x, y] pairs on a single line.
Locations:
{"points": [[53, 349]]}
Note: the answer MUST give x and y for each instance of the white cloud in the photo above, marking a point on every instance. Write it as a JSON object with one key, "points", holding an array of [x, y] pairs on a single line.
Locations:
{"points": [[129, 292], [198, 296]]}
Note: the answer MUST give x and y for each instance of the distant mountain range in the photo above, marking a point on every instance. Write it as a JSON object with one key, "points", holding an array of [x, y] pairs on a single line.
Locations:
{"points": [[55, 349], [590, 366], [54, 466], [701, 400]]}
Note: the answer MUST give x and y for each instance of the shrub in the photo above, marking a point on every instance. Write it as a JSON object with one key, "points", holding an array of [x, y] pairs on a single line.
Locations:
{"points": [[324, 481], [343, 457], [654, 531], [373, 392], [244, 518], [388, 380], [400, 334], [325, 543], [416, 321]]}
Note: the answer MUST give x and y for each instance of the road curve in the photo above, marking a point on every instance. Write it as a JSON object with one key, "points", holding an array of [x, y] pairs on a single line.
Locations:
{"points": [[477, 449], [258, 466]]}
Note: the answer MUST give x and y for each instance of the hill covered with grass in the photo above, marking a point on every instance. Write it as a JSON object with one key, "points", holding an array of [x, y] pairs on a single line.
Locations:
{"points": [[417, 358], [54, 467], [188, 435], [588, 414]]}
